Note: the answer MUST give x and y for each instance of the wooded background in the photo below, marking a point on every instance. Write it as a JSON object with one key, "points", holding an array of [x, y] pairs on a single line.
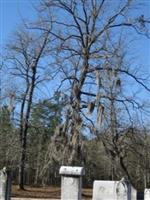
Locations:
{"points": [[73, 92]]}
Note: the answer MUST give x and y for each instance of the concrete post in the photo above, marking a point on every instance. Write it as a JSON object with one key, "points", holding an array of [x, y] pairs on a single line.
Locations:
{"points": [[71, 182], [5, 184]]}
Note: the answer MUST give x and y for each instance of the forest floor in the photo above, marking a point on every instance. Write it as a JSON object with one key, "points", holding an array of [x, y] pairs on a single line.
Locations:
{"points": [[44, 193]]}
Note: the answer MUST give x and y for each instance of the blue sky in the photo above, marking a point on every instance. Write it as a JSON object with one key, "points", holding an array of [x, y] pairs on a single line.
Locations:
{"points": [[12, 12]]}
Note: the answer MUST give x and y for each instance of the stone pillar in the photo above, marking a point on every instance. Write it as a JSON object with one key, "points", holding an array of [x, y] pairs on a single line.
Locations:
{"points": [[147, 194], [5, 184], [71, 182]]}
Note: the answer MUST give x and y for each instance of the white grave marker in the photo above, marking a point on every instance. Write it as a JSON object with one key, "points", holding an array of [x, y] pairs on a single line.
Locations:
{"points": [[113, 190], [147, 194], [104, 190], [5, 184], [71, 182], [122, 191], [133, 193]]}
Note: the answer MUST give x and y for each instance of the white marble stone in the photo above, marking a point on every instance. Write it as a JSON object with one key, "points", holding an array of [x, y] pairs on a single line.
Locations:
{"points": [[71, 182], [104, 190], [3, 182], [73, 171], [147, 194], [133, 193], [113, 190], [122, 191]]}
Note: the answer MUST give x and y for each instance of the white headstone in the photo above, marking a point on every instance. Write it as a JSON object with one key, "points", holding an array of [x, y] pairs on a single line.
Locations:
{"points": [[122, 191], [113, 190], [104, 190], [133, 193], [3, 182], [147, 194], [71, 182]]}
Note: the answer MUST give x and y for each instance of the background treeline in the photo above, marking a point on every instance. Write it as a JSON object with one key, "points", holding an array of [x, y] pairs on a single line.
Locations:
{"points": [[75, 91], [46, 115]]}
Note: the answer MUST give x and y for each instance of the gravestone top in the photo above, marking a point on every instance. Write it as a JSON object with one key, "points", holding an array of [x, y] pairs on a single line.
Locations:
{"points": [[71, 171]]}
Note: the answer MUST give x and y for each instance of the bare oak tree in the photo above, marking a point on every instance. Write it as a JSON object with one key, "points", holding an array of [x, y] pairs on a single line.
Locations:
{"points": [[89, 56], [24, 57]]}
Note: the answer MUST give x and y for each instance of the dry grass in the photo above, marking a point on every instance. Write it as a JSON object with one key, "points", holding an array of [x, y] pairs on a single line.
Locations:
{"points": [[44, 193]]}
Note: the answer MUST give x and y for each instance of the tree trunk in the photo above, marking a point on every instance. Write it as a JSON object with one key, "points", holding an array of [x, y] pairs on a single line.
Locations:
{"points": [[36, 179], [22, 164]]}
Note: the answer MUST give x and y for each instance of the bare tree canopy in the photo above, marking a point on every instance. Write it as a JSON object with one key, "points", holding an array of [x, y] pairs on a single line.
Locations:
{"points": [[88, 46], [90, 41]]}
